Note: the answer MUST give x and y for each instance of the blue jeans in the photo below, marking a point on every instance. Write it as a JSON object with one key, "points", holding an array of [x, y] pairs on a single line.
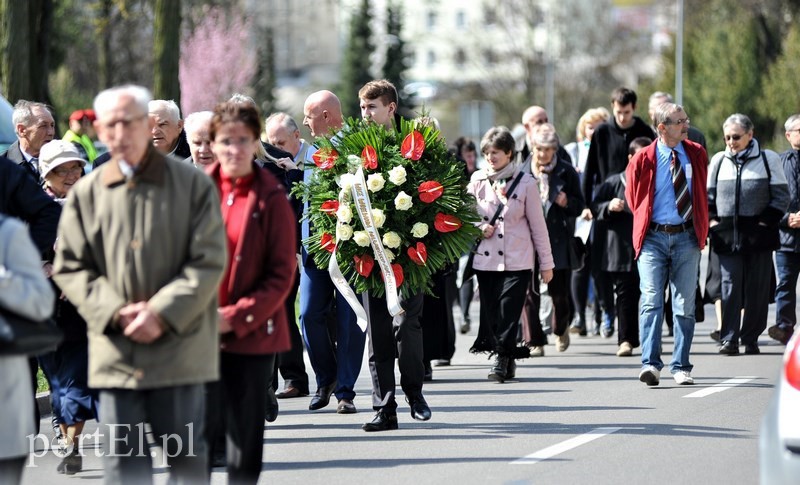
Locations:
{"points": [[788, 265], [674, 258]]}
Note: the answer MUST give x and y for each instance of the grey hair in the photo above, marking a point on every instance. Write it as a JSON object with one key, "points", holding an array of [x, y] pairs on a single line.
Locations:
{"points": [[166, 105], [141, 97], [197, 120], [283, 119], [240, 98], [739, 119], [791, 121], [23, 112], [663, 111], [545, 136], [667, 98]]}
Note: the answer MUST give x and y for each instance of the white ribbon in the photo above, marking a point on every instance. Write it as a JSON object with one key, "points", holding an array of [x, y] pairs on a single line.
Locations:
{"points": [[344, 289]]}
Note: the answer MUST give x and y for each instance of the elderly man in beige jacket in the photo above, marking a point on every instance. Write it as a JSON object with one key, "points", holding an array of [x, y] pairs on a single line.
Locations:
{"points": [[141, 251]]}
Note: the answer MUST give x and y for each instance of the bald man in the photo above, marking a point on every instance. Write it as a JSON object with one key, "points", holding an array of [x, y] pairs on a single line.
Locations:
{"points": [[322, 113]]}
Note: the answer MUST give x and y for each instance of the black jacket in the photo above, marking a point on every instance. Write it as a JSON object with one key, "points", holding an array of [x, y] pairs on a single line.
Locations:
{"points": [[612, 244], [21, 197], [790, 238], [14, 153]]}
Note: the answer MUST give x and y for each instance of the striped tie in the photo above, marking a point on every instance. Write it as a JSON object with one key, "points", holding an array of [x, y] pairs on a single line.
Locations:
{"points": [[683, 200]]}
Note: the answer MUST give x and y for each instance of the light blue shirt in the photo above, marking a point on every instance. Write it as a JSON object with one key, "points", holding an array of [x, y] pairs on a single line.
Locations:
{"points": [[664, 210]]}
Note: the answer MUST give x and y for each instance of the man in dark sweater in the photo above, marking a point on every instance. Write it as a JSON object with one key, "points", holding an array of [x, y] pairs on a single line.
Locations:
{"points": [[608, 152]]}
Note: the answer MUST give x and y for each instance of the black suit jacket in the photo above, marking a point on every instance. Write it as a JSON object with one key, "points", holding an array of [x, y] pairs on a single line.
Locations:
{"points": [[14, 153]]}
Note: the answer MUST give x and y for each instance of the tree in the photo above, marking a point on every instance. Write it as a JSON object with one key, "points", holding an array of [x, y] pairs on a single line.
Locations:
{"points": [[780, 97], [26, 49], [265, 71], [166, 48], [396, 61], [215, 61], [356, 65]]}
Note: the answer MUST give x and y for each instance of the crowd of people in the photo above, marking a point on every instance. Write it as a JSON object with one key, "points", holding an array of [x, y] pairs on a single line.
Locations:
{"points": [[175, 258]]}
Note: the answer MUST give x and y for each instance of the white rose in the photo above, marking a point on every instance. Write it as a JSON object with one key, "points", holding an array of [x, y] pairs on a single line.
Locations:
{"points": [[344, 214], [361, 238], [403, 201], [389, 255], [397, 175], [375, 182], [419, 230], [391, 240], [343, 232], [346, 181], [378, 218]]}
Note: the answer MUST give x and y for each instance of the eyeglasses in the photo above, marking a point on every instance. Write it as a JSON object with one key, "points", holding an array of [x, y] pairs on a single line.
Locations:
{"points": [[733, 137], [125, 122], [64, 171], [796, 129], [684, 121]]}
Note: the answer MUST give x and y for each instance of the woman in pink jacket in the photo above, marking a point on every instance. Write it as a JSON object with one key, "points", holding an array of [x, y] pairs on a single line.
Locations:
{"points": [[505, 257]]}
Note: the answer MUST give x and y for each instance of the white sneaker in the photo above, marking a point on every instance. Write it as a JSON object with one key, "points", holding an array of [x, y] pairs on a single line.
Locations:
{"points": [[562, 342], [537, 351], [683, 378], [650, 375], [625, 350]]}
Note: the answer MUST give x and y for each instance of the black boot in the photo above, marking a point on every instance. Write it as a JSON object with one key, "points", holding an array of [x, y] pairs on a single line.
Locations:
{"points": [[499, 372]]}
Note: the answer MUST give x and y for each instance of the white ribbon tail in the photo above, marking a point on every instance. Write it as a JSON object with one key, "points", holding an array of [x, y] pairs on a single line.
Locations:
{"points": [[347, 292], [364, 209]]}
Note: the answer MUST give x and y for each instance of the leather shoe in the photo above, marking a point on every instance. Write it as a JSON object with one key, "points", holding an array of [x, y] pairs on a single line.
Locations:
{"points": [[272, 405], [419, 408], [346, 406], [728, 348], [381, 422], [752, 349], [290, 392], [322, 397]]}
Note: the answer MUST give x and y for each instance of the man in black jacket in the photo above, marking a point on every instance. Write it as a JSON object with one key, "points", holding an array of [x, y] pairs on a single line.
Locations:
{"points": [[787, 257], [34, 126]]}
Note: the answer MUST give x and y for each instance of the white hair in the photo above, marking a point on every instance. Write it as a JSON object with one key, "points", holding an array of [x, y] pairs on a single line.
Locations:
{"points": [[282, 119], [166, 105], [23, 112], [197, 120], [141, 96]]}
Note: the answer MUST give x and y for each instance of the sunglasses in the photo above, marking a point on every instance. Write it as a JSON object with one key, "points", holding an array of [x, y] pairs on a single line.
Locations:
{"points": [[733, 137]]}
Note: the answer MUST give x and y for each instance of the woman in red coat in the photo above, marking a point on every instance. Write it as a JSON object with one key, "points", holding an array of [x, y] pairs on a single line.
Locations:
{"points": [[261, 264]]}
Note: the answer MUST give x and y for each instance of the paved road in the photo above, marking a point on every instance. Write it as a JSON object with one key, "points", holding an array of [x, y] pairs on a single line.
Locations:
{"points": [[575, 417]]}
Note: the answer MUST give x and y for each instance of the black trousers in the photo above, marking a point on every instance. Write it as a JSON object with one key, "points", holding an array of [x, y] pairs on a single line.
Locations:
{"points": [[626, 288], [291, 365], [237, 406], [11, 469], [175, 415], [560, 292], [745, 286], [394, 337], [502, 295]]}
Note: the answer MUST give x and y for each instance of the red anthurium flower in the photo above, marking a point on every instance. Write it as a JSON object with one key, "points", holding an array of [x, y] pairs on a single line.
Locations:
{"points": [[370, 157], [325, 158], [430, 191], [330, 207], [327, 242], [364, 264], [418, 254], [413, 146], [446, 222], [398, 274]]}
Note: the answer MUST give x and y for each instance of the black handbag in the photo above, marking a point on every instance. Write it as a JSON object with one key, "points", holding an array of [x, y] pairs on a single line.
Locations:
{"points": [[22, 336], [469, 272]]}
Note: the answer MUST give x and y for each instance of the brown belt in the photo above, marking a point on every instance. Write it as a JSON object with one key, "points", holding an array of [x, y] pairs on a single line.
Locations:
{"points": [[671, 228]]}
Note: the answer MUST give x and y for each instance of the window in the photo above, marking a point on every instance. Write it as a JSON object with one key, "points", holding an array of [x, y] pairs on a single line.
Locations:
{"points": [[431, 58], [460, 58], [431, 19], [461, 19]]}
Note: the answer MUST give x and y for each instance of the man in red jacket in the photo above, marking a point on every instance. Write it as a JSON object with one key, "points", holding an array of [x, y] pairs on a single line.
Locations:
{"points": [[667, 194]]}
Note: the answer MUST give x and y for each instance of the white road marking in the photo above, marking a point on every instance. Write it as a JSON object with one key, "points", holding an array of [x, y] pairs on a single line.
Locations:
{"points": [[722, 386], [564, 446]]}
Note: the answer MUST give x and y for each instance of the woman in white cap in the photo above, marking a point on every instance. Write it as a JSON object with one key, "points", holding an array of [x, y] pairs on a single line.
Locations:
{"points": [[66, 368]]}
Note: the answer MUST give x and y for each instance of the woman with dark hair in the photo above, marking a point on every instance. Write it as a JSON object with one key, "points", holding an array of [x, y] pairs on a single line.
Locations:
{"points": [[505, 258], [253, 327]]}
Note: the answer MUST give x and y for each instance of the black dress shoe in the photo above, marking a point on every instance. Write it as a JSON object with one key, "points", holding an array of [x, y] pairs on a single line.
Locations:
{"points": [[346, 406], [272, 405], [428, 375], [381, 422], [499, 372], [511, 370], [728, 348], [752, 349], [322, 397], [419, 408], [290, 392]]}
